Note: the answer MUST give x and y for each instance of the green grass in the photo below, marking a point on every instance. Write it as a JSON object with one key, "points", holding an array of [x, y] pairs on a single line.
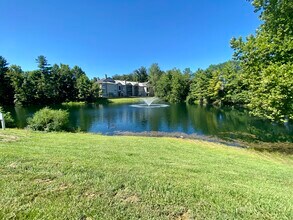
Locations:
{"points": [[87, 176], [106, 101], [124, 100], [70, 104]]}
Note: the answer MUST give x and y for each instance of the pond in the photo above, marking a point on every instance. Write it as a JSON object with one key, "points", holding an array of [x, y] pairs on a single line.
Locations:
{"points": [[226, 123]]}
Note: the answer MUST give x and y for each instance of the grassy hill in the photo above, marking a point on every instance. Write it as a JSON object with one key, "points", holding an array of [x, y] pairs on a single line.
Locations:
{"points": [[88, 176]]}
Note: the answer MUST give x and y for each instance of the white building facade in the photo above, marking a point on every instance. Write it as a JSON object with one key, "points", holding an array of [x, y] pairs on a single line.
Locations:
{"points": [[122, 88]]}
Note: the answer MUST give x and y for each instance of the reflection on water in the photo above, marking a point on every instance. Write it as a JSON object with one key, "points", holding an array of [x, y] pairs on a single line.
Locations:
{"points": [[189, 119]]}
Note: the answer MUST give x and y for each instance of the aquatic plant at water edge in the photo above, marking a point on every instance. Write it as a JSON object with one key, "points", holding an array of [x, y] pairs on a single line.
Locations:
{"points": [[48, 119]]}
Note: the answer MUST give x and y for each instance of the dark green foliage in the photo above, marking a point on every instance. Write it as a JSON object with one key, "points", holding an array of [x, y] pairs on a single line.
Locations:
{"points": [[9, 121], [47, 119], [43, 64], [173, 86], [138, 75], [94, 90], [6, 90], [16, 76], [141, 74], [127, 77], [46, 85]]}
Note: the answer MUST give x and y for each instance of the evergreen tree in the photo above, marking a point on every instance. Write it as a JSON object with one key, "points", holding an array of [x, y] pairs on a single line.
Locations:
{"points": [[6, 90], [154, 75]]}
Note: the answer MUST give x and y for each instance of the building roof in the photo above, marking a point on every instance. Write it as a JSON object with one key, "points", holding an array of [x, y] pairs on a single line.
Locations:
{"points": [[122, 82]]}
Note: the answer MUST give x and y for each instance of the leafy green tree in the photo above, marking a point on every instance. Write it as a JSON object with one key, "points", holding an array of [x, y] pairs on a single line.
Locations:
{"points": [[55, 77], [176, 91], [173, 86], [16, 77], [234, 86], [163, 86], [274, 98], [83, 86], [67, 84], [271, 49], [216, 87], [94, 91], [199, 87], [219, 84]]}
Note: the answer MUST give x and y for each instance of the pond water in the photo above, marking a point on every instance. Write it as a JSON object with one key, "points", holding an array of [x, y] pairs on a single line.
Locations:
{"points": [[181, 118]]}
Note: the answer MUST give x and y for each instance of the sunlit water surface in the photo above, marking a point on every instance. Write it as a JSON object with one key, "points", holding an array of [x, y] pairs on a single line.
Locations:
{"points": [[181, 118]]}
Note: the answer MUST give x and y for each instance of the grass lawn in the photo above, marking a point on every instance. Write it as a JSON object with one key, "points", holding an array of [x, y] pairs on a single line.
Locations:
{"points": [[73, 104], [87, 176], [124, 100], [107, 101]]}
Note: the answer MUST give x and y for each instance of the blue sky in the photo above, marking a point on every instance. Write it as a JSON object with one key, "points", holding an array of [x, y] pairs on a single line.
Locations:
{"points": [[118, 36]]}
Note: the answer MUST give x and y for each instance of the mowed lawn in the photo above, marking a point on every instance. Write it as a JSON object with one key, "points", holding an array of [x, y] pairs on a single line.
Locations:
{"points": [[88, 176], [125, 100]]}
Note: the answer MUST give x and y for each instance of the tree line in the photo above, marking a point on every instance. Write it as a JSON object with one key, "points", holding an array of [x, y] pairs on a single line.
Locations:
{"points": [[138, 75], [46, 85], [260, 76]]}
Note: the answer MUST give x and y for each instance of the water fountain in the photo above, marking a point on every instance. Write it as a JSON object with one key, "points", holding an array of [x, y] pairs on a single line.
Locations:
{"points": [[148, 103]]}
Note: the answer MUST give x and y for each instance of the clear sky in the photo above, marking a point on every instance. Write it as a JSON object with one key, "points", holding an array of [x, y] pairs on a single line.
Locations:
{"points": [[118, 36]]}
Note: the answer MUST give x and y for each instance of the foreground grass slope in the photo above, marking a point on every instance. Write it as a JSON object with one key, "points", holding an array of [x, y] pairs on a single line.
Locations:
{"points": [[87, 176]]}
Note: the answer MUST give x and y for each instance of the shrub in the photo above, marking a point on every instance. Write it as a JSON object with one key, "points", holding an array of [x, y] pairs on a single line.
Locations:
{"points": [[48, 119], [9, 121]]}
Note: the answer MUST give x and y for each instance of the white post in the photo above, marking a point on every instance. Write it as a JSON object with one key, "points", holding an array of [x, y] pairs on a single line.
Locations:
{"points": [[2, 121]]}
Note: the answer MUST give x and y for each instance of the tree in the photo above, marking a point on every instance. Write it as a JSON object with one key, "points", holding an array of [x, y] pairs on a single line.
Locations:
{"points": [[199, 87], [83, 86], [43, 64], [16, 77], [141, 74], [45, 85], [154, 75], [67, 85], [6, 91], [177, 84], [173, 86], [94, 91], [163, 86], [269, 51]]}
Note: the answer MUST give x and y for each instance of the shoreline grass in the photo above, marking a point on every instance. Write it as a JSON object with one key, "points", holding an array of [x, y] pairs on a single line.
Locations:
{"points": [[70, 104], [89, 176], [125, 100], [128, 100]]}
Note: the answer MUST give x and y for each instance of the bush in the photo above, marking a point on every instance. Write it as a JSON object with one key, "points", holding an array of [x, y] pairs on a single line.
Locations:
{"points": [[9, 121], [47, 119]]}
